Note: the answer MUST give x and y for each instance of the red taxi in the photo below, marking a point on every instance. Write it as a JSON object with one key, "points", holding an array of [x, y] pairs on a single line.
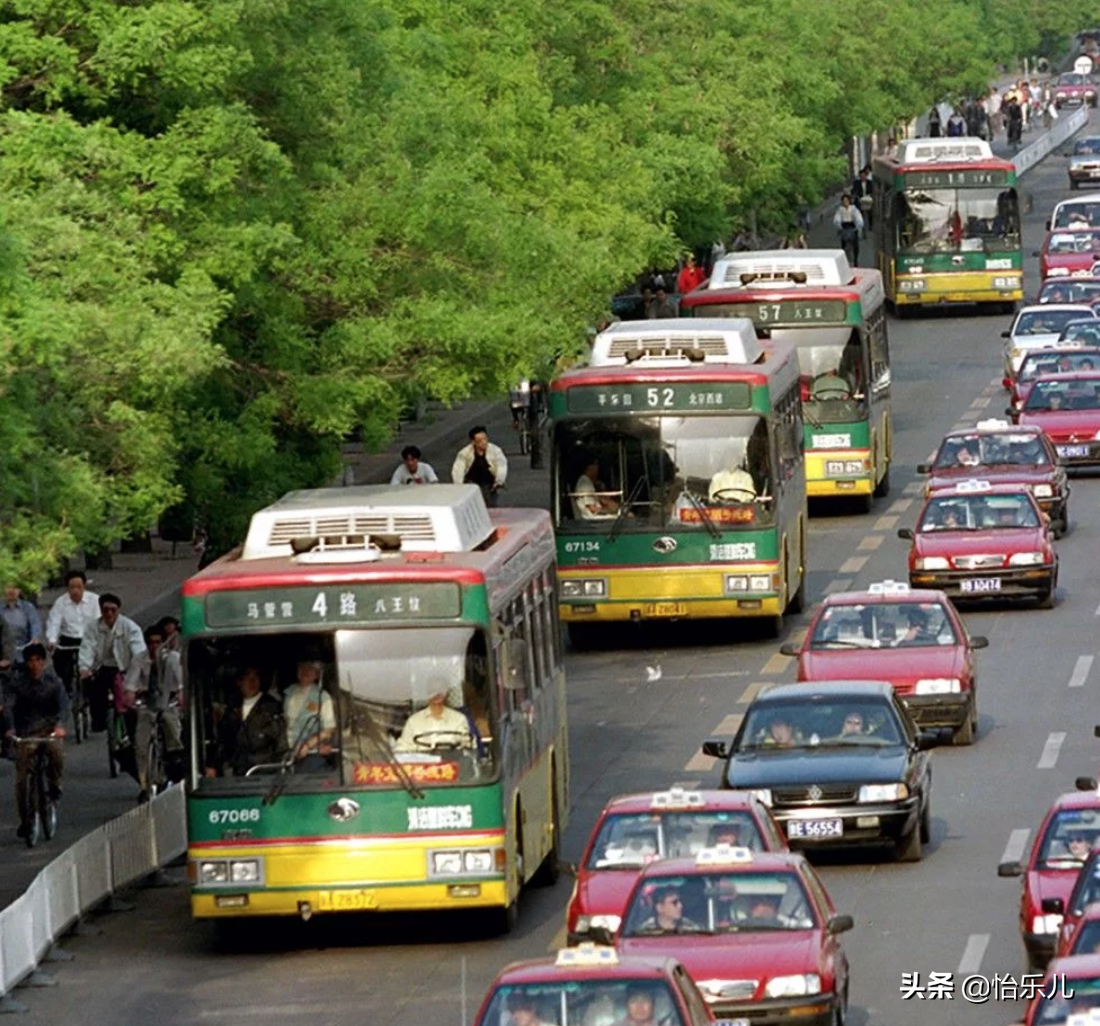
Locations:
{"points": [[757, 932], [1071, 910], [1069, 252], [1085, 938], [1062, 359], [636, 829], [1061, 847], [1067, 408], [1069, 993], [914, 639], [995, 451], [1070, 290], [593, 985], [980, 540]]}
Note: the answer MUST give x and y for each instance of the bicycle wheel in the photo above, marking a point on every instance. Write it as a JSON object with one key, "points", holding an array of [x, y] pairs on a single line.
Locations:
{"points": [[47, 808], [80, 729], [114, 721], [32, 805], [524, 443], [155, 763]]}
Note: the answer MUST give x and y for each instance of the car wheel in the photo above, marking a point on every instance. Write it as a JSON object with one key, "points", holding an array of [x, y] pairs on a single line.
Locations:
{"points": [[926, 824], [968, 731], [1046, 598], [909, 847], [1072, 185]]}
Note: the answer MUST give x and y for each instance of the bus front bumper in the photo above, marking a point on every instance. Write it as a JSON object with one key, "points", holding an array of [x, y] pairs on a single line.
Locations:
{"points": [[959, 288]]}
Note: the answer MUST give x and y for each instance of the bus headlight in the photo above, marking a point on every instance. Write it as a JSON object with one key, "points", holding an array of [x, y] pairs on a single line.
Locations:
{"points": [[215, 872], [912, 284], [736, 582], [462, 862], [244, 871], [592, 587]]}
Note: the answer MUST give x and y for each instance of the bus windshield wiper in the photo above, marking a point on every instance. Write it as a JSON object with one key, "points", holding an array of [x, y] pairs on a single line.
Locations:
{"points": [[378, 736], [613, 533], [704, 513], [276, 790]]}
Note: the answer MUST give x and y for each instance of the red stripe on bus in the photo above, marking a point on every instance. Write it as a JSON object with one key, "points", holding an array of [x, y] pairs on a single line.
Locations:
{"points": [[350, 838]]}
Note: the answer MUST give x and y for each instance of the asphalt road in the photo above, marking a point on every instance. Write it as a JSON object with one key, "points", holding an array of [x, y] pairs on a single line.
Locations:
{"points": [[949, 913]]}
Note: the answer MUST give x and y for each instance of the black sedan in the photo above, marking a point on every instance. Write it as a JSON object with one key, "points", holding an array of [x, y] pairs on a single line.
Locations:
{"points": [[840, 763]]}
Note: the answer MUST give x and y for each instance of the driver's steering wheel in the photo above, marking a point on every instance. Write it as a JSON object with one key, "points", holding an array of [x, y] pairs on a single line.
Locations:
{"points": [[840, 388], [460, 736], [747, 495]]}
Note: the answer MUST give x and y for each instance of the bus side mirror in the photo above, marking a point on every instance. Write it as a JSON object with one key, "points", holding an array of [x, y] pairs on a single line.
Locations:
{"points": [[979, 642], [905, 533]]}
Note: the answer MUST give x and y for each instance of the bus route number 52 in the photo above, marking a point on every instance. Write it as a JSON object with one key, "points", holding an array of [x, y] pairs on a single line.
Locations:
{"points": [[659, 396]]}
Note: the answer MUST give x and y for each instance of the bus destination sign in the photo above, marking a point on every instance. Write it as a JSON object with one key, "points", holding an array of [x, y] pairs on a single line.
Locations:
{"points": [[963, 178], [333, 606], [684, 397], [778, 313]]}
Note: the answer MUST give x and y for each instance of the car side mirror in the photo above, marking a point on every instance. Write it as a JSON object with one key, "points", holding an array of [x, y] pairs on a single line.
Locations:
{"points": [[1008, 334], [927, 739], [790, 648], [1085, 783], [600, 935], [1053, 906], [924, 468], [716, 748], [839, 924], [979, 642], [1011, 411], [1036, 252], [906, 533], [1010, 869], [1096, 730]]}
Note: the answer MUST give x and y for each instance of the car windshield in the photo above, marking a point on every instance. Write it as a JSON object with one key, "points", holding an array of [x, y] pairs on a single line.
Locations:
{"points": [[957, 220], [1046, 362], [1045, 321], [812, 723], [1081, 212], [1069, 291], [1054, 396], [1055, 1011], [992, 449], [378, 707], [1068, 839], [630, 840], [1078, 240], [589, 1001], [883, 625], [1072, 78], [978, 513], [642, 473], [1083, 331], [1086, 147], [1086, 889], [742, 902]]}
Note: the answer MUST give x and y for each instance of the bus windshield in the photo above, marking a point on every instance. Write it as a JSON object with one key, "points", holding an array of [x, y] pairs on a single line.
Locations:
{"points": [[958, 220], [378, 707], [642, 473], [831, 362]]}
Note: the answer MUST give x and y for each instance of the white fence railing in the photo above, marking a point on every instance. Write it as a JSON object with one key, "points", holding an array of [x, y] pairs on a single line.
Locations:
{"points": [[94, 869], [1059, 132]]}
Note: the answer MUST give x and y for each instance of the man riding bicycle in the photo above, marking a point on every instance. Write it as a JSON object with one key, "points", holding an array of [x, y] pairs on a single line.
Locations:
{"points": [[155, 693], [37, 704]]}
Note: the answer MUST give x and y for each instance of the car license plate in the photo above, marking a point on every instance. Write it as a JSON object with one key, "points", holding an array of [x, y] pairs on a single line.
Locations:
{"points": [[1073, 450], [976, 584], [666, 609], [345, 901], [1095, 173], [815, 828]]}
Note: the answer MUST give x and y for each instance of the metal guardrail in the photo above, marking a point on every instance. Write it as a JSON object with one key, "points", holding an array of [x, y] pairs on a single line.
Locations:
{"points": [[84, 876], [1060, 131]]}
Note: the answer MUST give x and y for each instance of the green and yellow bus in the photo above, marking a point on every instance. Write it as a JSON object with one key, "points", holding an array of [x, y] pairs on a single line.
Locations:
{"points": [[679, 486], [377, 707], [947, 225], [835, 316]]}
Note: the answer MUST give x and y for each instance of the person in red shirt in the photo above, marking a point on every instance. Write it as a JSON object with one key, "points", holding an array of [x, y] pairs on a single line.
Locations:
{"points": [[690, 277]]}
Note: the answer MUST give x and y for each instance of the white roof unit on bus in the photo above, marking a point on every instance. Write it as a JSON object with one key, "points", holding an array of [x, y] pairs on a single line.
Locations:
{"points": [[676, 341], [356, 524], [781, 268], [932, 151]]}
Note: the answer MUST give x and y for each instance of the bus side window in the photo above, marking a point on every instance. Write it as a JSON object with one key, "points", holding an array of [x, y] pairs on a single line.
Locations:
{"points": [[880, 353]]}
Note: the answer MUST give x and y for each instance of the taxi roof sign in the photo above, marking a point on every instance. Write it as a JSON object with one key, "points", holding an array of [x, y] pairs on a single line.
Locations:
{"points": [[590, 955], [889, 588], [723, 855], [991, 425], [677, 798], [973, 485]]}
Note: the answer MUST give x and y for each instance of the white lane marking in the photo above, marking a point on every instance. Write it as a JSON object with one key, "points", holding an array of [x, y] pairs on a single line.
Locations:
{"points": [[871, 542], [1017, 845], [688, 785], [886, 523], [1051, 749], [853, 565], [750, 692], [839, 585], [971, 961], [716, 673], [1081, 671], [729, 725], [981, 402], [900, 505], [1097, 613], [777, 664], [915, 487]]}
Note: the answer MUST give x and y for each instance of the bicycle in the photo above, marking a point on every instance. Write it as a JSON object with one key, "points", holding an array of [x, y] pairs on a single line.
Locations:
{"points": [[41, 807], [81, 711], [156, 763]]}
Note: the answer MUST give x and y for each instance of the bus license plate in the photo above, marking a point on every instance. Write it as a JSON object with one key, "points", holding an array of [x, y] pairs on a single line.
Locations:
{"points": [[666, 609], [815, 828], [345, 901], [976, 584], [1073, 450]]}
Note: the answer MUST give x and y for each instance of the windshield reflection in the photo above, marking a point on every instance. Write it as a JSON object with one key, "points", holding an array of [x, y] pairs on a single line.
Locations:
{"points": [[856, 722], [957, 220]]}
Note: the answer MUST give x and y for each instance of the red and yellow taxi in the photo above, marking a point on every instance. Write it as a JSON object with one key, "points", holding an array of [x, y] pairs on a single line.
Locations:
{"points": [[636, 829], [1062, 845], [997, 452], [757, 932], [914, 639], [978, 540], [1070, 989], [1064, 358], [1067, 408], [593, 986], [1069, 251]]}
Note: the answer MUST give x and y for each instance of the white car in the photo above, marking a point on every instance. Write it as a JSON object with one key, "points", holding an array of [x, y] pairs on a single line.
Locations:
{"points": [[1038, 327]]}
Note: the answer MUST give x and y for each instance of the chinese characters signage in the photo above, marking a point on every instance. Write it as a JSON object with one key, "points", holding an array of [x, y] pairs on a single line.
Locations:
{"points": [[419, 773], [701, 397], [781, 312], [718, 515], [441, 817], [332, 605], [733, 550], [965, 178]]}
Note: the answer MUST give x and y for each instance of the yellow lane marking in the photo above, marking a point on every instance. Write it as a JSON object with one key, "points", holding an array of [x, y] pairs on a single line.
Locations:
{"points": [[750, 692], [853, 565], [700, 763], [778, 663], [729, 725]]}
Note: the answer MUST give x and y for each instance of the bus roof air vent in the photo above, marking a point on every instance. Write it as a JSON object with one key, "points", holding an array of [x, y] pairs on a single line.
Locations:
{"points": [[782, 269], [348, 525], [677, 343], [952, 150]]}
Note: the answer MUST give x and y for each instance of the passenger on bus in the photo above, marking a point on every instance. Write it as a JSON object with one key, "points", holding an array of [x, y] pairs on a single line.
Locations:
{"points": [[437, 725], [588, 501], [252, 733], [310, 715]]}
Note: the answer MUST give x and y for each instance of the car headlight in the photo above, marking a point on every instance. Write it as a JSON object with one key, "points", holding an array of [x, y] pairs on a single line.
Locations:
{"points": [[1026, 559], [609, 923], [1046, 924], [931, 563], [244, 871], [939, 686], [793, 986], [1058, 272], [883, 792], [764, 795], [595, 587], [1043, 491], [1059, 96], [214, 872]]}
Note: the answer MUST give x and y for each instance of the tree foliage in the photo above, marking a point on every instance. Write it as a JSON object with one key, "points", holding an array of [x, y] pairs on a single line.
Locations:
{"points": [[232, 232]]}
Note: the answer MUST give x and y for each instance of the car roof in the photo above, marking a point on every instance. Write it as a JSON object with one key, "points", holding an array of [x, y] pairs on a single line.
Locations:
{"points": [[1075, 800], [1084, 280], [1070, 376], [872, 598], [761, 861], [545, 970], [961, 488], [1003, 427], [826, 688], [644, 801], [1047, 307]]}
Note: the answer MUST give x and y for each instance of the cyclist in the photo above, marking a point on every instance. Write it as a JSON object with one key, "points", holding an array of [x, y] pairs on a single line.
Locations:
{"points": [[111, 648], [37, 703], [156, 692], [22, 617], [481, 463], [70, 616]]}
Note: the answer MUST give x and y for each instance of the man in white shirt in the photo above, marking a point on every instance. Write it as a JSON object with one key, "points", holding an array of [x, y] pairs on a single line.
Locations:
{"points": [[437, 725], [588, 502], [70, 616], [412, 469], [310, 718], [481, 463], [112, 648]]}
